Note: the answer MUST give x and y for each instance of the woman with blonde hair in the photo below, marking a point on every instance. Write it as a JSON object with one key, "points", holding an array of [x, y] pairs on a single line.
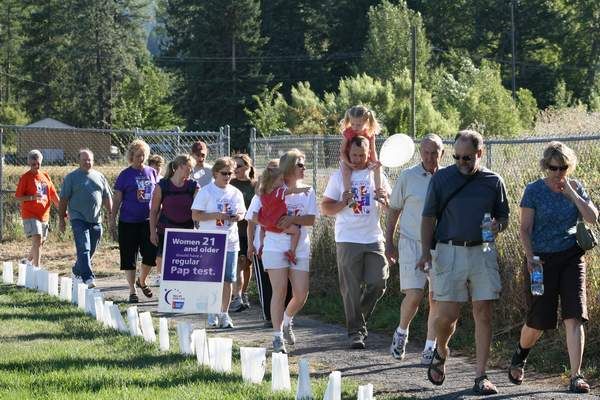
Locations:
{"points": [[131, 203], [219, 206], [550, 208], [302, 211]]}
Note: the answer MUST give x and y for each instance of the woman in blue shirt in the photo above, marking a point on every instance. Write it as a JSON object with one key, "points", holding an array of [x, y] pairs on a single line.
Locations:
{"points": [[549, 211]]}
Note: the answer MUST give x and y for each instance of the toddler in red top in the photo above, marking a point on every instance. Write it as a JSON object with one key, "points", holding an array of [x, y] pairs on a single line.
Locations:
{"points": [[360, 121], [272, 191]]}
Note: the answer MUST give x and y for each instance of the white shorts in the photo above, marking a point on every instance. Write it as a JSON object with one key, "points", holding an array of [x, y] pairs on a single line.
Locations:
{"points": [[409, 252], [278, 260], [33, 226]]}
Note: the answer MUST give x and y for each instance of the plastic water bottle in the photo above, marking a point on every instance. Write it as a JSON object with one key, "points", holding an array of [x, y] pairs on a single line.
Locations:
{"points": [[537, 277], [486, 232]]}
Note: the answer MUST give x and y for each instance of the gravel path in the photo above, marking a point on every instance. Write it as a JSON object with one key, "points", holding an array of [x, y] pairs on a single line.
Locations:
{"points": [[326, 347]]}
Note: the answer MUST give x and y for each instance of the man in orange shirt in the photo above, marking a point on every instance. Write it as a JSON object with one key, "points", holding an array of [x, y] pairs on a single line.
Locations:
{"points": [[35, 192]]}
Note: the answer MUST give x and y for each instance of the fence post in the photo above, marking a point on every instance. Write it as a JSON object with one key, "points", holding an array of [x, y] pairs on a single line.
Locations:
{"points": [[1, 183], [253, 144], [221, 145], [228, 137], [315, 162], [488, 151]]}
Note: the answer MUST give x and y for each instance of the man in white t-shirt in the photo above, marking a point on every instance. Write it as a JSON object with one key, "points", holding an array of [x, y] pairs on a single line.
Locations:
{"points": [[362, 266], [406, 203]]}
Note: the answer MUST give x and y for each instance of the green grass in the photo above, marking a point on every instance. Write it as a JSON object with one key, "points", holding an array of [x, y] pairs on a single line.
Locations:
{"points": [[51, 350]]}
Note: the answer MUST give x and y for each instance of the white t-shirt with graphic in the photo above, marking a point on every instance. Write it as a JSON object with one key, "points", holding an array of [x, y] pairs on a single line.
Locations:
{"points": [[359, 224], [297, 204], [229, 200]]}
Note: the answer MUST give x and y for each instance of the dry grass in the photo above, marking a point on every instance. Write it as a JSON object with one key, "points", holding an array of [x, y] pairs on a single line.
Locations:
{"points": [[59, 255]]}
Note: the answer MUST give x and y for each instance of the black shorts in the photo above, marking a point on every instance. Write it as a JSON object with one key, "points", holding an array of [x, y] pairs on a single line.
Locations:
{"points": [[243, 246], [134, 237], [564, 278]]}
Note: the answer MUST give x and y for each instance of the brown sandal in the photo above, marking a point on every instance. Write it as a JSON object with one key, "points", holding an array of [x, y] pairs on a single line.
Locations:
{"points": [[145, 289], [436, 365]]}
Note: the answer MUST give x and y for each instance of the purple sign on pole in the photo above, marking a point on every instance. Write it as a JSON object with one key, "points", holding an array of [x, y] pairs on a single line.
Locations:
{"points": [[192, 256]]}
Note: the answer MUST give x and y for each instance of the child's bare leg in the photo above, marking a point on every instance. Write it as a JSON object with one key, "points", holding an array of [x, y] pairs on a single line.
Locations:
{"points": [[294, 232], [347, 180]]}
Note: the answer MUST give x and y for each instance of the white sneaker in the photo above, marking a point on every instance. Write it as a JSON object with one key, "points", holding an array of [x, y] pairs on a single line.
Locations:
{"points": [[279, 345], [213, 320], [288, 334], [398, 347], [24, 261], [426, 356], [90, 283], [225, 322]]}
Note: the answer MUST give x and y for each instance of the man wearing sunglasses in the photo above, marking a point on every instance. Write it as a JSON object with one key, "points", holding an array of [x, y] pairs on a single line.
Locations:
{"points": [[202, 173], [362, 265], [457, 199]]}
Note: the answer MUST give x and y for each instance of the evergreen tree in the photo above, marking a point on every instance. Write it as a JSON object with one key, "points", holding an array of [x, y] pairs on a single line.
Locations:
{"points": [[77, 54], [216, 48]]}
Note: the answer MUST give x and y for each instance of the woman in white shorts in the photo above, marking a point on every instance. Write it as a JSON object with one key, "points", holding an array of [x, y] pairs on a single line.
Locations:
{"points": [[302, 211]]}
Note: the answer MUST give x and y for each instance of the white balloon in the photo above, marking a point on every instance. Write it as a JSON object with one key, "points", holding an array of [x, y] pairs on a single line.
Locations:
{"points": [[397, 150]]}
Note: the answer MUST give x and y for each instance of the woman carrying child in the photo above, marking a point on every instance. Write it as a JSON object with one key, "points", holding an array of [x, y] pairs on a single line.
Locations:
{"points": [[280, 259]]}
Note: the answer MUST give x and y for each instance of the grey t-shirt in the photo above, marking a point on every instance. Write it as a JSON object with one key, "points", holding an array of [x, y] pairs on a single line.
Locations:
{"points": [[461, 219], [203, 176], [85, 192]]}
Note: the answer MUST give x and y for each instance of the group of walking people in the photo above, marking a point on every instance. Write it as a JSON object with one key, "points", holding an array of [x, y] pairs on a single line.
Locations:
{"points": [[439, 244]]}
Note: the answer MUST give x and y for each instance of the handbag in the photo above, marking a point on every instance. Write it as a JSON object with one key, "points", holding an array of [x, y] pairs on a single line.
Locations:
{"points": [[585, 236]]}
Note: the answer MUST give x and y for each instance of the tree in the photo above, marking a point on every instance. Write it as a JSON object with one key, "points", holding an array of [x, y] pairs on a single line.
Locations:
{"points": [[221, 46], [143, 101], [387, 51], [11, 37], [77, 53]]}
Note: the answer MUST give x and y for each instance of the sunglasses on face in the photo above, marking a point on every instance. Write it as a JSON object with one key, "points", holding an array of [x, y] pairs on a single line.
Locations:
{"points": [[464, 158], [226, 173], [200, 154], [557, 168], [300, 165]]}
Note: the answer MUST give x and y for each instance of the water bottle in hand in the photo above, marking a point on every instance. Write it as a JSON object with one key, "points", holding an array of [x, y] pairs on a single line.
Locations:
{"points": [[487, 236], [537, 277]]}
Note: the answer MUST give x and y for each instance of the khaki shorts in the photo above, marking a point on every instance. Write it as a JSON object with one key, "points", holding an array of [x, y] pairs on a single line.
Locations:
{"points": [[458, 272], [278, 260], [409, 252], [34, 226]]}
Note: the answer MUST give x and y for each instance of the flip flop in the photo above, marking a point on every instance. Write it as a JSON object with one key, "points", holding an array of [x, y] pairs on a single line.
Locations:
{"points": [[436, 365], [145, 289]]}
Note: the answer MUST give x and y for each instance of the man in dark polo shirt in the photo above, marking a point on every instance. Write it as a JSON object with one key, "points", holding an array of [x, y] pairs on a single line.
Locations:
{"points": [[457, 199]]}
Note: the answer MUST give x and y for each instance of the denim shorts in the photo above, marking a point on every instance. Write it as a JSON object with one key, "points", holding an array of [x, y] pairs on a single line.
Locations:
{"points": [[231, 266]]}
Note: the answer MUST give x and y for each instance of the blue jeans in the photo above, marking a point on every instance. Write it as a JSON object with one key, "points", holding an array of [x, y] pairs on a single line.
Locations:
{"points": [[87, 236]]}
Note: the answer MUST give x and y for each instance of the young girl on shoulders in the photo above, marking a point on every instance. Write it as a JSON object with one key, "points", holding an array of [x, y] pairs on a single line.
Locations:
{"points": [[359, 121], [272, 192]]}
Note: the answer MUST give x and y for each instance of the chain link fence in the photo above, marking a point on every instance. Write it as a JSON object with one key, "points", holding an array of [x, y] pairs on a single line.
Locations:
{"points": [[516, 160], [60, 148]]}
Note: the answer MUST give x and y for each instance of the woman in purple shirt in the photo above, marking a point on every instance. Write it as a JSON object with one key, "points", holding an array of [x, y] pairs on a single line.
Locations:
{"points": [[171, 205], [131, 201]]}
